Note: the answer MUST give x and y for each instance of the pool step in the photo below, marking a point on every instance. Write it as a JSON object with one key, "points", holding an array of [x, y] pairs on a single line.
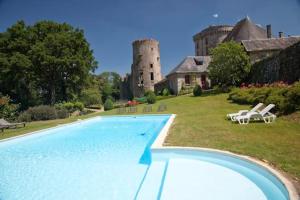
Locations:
{"points": [[150, 188]]}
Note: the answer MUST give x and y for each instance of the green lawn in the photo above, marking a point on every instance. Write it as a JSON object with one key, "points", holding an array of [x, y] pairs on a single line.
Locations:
{"points": [[201, 122]]}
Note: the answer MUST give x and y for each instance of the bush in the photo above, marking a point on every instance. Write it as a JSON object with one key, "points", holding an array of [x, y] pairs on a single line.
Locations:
{"points": [[165, 92], [69, 106], [62, 113], [91, 97], [286, 98], [42, 112], [151, 97], [7, 109], [197, 91], [108, 105], [294, 95], [78, 106], [24, 117]]}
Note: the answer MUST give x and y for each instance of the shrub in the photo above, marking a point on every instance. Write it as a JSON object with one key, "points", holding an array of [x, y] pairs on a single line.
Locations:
{"points": [[78, 106], [108, 105], [24, 117], [151, 97], [42, 112], [197, 91], [294, 95], [7, 109], [91, 97], [286, 98], [165, 92], [62, 113], [69, 106]]}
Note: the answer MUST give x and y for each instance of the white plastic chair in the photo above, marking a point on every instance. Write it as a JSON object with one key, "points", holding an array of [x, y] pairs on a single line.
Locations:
{"points": [[233, 116], [264, 115]]}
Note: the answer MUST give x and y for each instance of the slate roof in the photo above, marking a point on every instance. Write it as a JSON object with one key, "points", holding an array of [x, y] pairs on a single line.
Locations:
{"points": [[192, 64], [246, 30], [270, 44]]}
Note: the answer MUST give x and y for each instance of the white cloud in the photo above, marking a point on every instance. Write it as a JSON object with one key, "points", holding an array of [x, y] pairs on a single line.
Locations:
{"points": [[215, 15]]}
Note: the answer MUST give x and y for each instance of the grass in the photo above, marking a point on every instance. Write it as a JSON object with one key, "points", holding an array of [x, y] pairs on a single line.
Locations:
{"points": [[201, 122]]}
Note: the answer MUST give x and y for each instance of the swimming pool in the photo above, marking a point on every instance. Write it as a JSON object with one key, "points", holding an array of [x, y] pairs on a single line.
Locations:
{"points": [[111, 158]]}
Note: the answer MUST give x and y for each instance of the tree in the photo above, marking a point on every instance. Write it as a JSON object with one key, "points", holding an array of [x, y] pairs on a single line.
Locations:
{"points": [[62, 58], [45, 63], [230, 64], [151, 97], [110, 85]]}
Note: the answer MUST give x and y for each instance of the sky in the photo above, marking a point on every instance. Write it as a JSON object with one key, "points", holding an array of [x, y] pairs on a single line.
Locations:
{"points": [[111, 26]]}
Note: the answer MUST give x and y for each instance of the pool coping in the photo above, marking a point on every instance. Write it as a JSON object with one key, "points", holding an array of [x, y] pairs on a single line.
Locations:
{"points": [[158, 144]]}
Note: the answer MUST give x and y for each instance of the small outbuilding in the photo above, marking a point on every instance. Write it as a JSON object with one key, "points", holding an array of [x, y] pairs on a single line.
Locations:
{"points": [[190, 72]]}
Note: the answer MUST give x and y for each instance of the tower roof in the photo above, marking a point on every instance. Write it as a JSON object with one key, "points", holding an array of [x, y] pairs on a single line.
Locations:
{"points": [[245, 29]]}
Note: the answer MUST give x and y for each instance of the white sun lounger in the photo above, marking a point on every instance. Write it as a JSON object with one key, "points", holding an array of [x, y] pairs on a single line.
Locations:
{"points": [[233, 116], [264, 115]]}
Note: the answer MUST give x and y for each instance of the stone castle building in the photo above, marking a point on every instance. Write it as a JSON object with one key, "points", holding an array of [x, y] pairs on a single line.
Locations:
{"points": [[209, 38], [258, 42]]}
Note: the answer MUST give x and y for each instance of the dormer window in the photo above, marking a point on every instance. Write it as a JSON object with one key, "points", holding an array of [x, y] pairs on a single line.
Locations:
{"points": [[198, 62]]}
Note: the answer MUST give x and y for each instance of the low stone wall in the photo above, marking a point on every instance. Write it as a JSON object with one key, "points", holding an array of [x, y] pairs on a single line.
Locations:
{"points": [[283, 67]]}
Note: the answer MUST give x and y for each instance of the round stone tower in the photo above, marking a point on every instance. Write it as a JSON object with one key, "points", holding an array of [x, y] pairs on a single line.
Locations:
{"points": [[145, 68], [210, 38]]}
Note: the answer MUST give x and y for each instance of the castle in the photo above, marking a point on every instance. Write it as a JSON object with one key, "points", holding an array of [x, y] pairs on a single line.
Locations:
{"points": [[258, 42]]}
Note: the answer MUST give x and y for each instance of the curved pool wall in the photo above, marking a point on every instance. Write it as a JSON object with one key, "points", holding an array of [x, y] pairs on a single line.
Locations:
{"points": [[269, 183]]}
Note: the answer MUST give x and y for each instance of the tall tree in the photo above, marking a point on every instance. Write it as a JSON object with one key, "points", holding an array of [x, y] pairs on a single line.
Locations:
{"points": [[47, 62], [110, 85], [230, 64]]}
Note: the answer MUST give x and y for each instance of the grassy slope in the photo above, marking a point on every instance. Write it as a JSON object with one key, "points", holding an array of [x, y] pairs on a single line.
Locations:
{"points": [[200, 122]]}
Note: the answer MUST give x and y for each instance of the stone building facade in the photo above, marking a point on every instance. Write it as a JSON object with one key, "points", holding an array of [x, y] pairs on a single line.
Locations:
{"points": [[210, 38], [146, 68], [190, 72]]}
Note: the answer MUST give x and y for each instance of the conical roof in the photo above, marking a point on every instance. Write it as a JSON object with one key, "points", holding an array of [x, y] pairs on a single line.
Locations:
{"points": [[246, 30]]}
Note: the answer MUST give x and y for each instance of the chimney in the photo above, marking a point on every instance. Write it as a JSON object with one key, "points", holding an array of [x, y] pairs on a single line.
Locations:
{"points": [[280, 34], [269, 31]]}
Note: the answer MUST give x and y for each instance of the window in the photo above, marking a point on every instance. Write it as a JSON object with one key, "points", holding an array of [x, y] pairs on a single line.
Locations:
{"points": [[151, 65], [141, 80], [151, 49], [157, 58], [187, 79], [206, 46], [198, 62], [151, 76]]}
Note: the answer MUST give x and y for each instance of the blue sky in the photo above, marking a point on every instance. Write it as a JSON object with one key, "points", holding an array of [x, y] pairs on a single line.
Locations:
{"points": [[111, 26]]}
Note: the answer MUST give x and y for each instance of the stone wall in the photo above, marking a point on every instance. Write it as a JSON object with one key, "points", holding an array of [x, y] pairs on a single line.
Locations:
{"points": [[282, 67]]}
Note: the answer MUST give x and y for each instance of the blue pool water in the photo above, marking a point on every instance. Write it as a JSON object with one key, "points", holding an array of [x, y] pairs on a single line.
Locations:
{"points": [[102, 158], [111, 158]]}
